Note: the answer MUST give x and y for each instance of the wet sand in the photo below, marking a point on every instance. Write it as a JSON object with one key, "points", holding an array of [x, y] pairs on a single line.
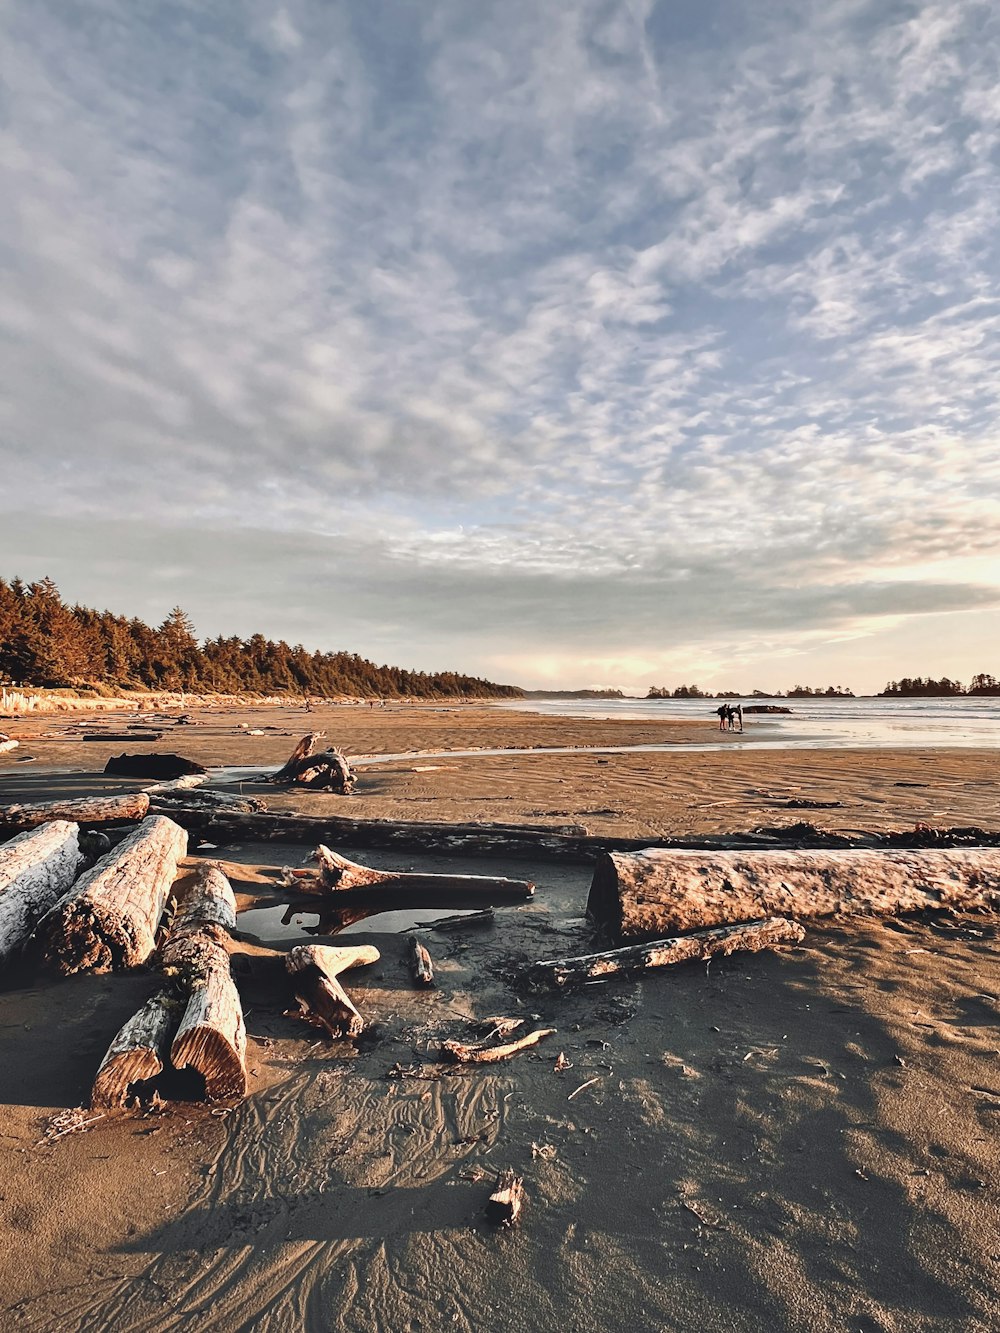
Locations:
{"points": [[803, 1140]]}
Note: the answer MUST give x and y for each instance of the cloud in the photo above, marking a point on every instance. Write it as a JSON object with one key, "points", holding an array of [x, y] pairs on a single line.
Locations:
{"points": [[599, 314]]}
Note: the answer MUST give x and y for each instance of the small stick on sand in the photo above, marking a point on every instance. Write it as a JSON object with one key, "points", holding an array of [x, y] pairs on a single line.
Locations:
{"points": [[505, 1202], [483, 1055], [421, 967], [486, 916]]}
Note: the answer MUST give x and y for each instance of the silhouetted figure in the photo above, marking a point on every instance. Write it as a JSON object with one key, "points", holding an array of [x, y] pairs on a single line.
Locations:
{"points": [[725, 716], [736, 715]]}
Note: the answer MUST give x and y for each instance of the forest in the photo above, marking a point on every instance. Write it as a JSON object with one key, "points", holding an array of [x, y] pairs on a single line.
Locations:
{"points": [[45, 642]]}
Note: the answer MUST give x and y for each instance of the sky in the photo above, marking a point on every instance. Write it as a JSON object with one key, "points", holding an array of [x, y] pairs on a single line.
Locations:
{"points": [[586, 343]]}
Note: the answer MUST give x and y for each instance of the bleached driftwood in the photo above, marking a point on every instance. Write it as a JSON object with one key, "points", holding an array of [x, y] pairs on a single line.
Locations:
{"points": [[138, 1053], [646, 895], [315, 970], [304, 767], [698, 946], [87, 811], [108, 919], [7, 744], [507, 1198], [340, 878], [421, 967], [211, 1038], [487, 1055], [36, 869]]}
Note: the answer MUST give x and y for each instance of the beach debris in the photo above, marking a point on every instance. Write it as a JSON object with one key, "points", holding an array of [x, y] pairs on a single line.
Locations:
{"points": [[170, 802], [186, 782], [700, 945], [305, 768], [507, 1199], [88, 811], [73, 1120], [211, 1037], [108, 918], [589, 1084], [645, 895], [7, 744], [483, 1054], [315, 970], [36, 869], [133, 734], [562, 1063], [139, 1052], [152, 766], [421, 967], [337, 876], [484, 917]]}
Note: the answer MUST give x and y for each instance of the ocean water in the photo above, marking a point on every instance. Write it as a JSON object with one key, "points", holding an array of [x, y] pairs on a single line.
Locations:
{"points": [[813, 723]]}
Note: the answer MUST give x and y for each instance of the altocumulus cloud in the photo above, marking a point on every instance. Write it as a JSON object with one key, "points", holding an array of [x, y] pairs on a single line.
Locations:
{"points": [[580, 341]]}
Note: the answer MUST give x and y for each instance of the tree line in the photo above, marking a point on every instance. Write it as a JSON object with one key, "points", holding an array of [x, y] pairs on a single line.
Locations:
{"points": [[45, 642], [924, 687]]}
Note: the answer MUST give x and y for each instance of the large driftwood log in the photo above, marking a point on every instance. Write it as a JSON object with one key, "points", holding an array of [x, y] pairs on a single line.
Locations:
{"points": [[88, 812], [153, 766], [212, 1036], [315, 969], [108, 919], [36, 869], [304, 768], [138, 1053], [698, 946], [347, 881], [303, 749], [656, 893]]}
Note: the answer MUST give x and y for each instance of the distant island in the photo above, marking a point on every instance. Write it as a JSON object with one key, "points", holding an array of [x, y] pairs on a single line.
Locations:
{"points": [[797, 692], [573, 694], [44, 642], [923, 687]]}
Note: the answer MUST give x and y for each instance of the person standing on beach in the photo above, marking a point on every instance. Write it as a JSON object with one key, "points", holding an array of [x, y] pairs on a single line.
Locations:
{"points": [[736, 715], [725, 716]]}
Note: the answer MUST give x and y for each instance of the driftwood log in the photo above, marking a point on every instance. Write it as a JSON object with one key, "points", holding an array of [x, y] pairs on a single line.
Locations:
{"points": [[152, 766], [36, 869], [487, 1055], [655, 893], [211, 1038], [421, 966], [7, 744], [108, 919], [344, 880], [315, 970], [698, 946], [138, 1053], [88, 812], [328, 769]]}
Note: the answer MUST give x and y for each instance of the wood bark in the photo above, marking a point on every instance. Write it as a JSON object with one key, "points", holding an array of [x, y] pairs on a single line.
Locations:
{"points": [[36, 869], [698, 946], [315, 970], [135, 735], [7, 744], [342, 880], [211, 1038], [89, 811], [486, 916], [507, 1198], [466, 1053], [108, 919], [421, 966], [138, 1053], [656, 893]]}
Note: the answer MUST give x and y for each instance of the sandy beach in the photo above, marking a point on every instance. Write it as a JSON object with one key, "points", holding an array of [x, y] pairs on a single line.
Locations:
{"points": [[803, 1140]]}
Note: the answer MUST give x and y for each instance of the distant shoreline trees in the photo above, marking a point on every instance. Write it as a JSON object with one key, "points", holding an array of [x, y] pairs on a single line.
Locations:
{"points": [[923, 687], [797, 692], [44, 642]]}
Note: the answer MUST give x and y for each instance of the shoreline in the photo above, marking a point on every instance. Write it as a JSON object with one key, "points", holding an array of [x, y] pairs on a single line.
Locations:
{"points": [[800, 1138]]}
